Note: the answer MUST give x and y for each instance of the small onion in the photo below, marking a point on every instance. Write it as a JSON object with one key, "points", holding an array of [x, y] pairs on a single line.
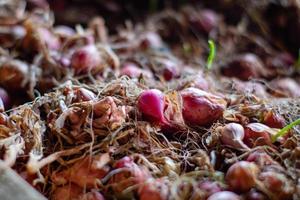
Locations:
{"points": [[51, 41], [260, 158], [232, 134], [278, 184], [257, 134], [224, 195], [132, 175], [241, 176], [133, 71], [85, 58], [206, 21], [286, 87], [201, 108], [273, 120], [209, 187], [151, 40], [244, 67], [151, 103]]}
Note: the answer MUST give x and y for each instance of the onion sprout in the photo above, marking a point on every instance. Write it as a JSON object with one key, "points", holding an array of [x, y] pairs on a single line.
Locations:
{"points": [[212, 54]]}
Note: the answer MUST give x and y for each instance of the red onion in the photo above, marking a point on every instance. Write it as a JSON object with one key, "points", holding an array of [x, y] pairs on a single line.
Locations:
{"points": [[13, 75], [201, 108], [4, 98], [232, 134], [278, 184], [133, 71], [207, 188], [244, 67], [241, 176], [151, 103], [132, 175], [206, 21], [154, 190], [286, 87], [257, 134], [224, 195], [260, 158], [248, 87], [273, 120], [151, 40], [85, 58], [51, 41], [170, 69]]}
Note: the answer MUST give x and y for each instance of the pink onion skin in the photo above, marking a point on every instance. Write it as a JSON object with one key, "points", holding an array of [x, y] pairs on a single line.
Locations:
{"points": [[151, 103], [256, 134], [224, 195], [241, 176], [232, 134], [85, 58], [5, 98], [201, 108]]}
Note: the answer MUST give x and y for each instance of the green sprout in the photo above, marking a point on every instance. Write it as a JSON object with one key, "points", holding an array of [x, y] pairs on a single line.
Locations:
{"points": [[212, 54], [285, 130]]}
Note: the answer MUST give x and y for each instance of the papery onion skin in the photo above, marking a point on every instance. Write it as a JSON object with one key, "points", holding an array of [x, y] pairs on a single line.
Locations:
{"points": [[241, 176], [224, 195], [201, 108]]}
